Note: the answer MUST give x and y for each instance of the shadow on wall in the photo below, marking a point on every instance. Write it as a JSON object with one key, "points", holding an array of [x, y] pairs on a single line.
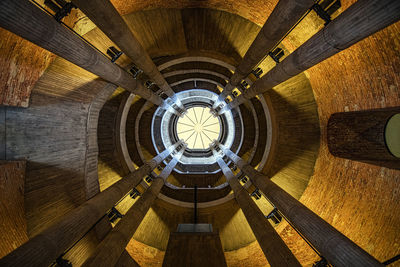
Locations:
{"points": [[164, 218], [57, 191], [298, 132], [145, 133], [106, 136], [298, 135], [216, 31], [249, 131], [130, 131], [51, 136]]}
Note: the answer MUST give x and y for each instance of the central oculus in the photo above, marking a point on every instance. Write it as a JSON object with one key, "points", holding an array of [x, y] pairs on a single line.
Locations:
{"points": [[198, 128]]}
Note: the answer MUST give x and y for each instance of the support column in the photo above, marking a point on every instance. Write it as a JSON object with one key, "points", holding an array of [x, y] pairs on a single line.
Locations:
{"points": [[107, 18], [275, 250], [110, 249], [48, 245], [28, 21], [371, 136], [284, 16], [359, 21], [336, 248]]}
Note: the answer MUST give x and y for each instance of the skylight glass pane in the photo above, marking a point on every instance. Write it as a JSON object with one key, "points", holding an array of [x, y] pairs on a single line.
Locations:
{"points": [[198, 128]]}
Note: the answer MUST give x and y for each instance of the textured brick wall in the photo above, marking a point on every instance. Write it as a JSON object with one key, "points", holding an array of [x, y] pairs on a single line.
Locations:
{"points": [[256, 11], [145, 255], [360, 200], [21, 65], [250, 255], [13, 227]]}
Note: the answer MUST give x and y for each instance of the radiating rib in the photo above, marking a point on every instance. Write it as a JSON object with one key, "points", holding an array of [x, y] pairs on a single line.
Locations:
{"points": [[185, 124], [211, 131], [195, 116], [201, 138], [189, 137], [187, 116], [186, 131], [211, 124], [202, 113], [207, 136], [207, 119], [195, 139]]}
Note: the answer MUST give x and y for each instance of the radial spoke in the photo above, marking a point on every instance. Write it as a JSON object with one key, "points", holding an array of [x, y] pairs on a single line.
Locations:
{"points": [[207, 136], [187, 116], [194, 111], [211, 124], [206, 119], [185, 124], [186, 131], [195, 139], [189, 137], [211, 131], [201, 138], [201, 117]]}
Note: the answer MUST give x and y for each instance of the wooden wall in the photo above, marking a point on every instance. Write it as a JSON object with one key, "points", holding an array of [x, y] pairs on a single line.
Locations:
{"points": [[164, 218], [166, 32], [358, 199]]}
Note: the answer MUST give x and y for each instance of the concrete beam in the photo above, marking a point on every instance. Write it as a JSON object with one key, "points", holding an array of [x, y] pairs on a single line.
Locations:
{"points": [[284, 16], [336, 248], [107, 18], [275, 250], [44, 248], [359, 21], [28, 21], [110, 249], [366, 136]]}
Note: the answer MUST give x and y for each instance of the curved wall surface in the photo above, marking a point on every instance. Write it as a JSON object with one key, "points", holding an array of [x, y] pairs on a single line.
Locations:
{"points": [[64, 166]]}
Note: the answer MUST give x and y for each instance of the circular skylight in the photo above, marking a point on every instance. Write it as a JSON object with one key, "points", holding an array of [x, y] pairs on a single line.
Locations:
{"points": [[198, 128]]}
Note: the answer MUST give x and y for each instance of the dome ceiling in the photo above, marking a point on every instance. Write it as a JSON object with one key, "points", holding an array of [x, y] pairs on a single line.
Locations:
{"points": [[255, 11], [204, 57], [198, 128], [345, 82]]}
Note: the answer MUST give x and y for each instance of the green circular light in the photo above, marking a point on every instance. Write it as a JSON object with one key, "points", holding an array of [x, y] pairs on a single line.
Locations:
{"points": [[392, 135]]}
